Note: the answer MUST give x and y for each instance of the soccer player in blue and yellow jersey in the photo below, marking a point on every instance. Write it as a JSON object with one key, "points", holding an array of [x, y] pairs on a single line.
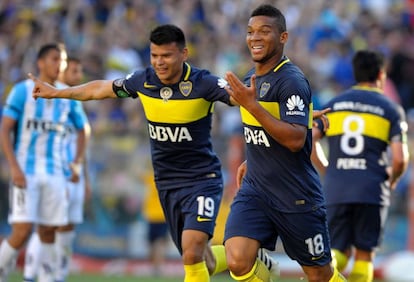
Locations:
{"points": [[366, 128], [33, 136], [280, 195], [178, 101]]}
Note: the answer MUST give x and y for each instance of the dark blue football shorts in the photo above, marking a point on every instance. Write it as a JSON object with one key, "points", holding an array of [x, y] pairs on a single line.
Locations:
{"points": [[304, 235], [192, 207], [157, 230], [359, 225]]}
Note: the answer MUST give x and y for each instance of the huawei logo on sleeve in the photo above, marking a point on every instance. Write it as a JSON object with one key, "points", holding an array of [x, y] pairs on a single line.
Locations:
{"points": [[295, 102]]}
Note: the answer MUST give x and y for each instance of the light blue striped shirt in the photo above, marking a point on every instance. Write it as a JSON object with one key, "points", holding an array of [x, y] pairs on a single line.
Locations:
{"points": [[41, 128]]}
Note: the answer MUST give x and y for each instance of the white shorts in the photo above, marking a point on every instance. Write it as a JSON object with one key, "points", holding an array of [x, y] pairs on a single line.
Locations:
{"points": [[76, 201], [44, 201]]}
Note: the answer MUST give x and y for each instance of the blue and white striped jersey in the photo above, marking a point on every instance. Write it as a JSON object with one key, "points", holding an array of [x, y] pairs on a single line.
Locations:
{"points": [[70, 141], [41, 126]]}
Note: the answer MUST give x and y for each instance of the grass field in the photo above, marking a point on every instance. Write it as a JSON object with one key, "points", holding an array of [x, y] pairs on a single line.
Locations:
{"points": [[100, 278]]}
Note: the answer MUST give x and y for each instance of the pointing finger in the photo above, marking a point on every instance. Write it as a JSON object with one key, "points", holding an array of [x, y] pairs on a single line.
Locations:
{"points": [[31, 76]]}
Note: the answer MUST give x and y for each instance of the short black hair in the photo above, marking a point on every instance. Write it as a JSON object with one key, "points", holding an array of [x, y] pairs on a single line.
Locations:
{"points": [[45, 49], [166, 34], [273, 12], [367, 65]]}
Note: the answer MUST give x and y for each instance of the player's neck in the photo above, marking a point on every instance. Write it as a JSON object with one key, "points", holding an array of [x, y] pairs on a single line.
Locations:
{"points": [[264, 67], [367, 84], [47, 79]]}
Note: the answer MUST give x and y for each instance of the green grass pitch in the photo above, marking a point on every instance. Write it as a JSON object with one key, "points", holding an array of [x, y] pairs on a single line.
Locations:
{"points": [[17, 277]]}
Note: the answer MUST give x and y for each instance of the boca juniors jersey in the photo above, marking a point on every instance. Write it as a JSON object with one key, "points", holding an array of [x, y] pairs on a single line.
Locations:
{"points": [[287, 178], [362, 124], [40, 128], [179, 121]]}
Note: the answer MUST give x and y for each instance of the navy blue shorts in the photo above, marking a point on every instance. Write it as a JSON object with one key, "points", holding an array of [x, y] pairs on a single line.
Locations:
{"points": [[157, 230], [358, 225], [192, 208], [304, 235]]}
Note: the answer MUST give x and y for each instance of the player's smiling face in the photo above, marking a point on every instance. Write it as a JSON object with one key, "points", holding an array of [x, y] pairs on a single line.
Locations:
{"points": [[264, 39], [167, 61]]}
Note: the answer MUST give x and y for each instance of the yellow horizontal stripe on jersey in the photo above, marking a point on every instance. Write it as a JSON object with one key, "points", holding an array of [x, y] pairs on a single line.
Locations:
{"points": [[310, 121], [373, 126], [271, 107], [174, 111]]}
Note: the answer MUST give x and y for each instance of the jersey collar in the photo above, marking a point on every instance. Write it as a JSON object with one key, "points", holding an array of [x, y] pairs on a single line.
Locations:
{"points": [[368, 88], [283, 61]]}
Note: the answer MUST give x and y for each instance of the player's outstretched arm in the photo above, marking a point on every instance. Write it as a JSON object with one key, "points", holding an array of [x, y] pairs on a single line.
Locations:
{"points": [[94, 90]]}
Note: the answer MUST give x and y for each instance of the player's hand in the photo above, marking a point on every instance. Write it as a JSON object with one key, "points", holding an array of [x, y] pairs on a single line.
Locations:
{"points": [[241, 172], [320, 114], [18, 177], [243, 95], [42, 89], [76, 171], [393, 181]]}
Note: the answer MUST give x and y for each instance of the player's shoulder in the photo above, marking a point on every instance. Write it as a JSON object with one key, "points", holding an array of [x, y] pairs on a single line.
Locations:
{"points": [[21, 90], [140, 79], [140, 74], [291, 71], [354, 96], [23, 85], [292, 78], [204, 77], [196, 73]]}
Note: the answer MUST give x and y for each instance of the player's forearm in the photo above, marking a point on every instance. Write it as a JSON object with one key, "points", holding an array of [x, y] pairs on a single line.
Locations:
{"points": [[81, 142], [318, 158], [6, 142], [9, 153], [400, 158], [94, 90], [292, 136]]}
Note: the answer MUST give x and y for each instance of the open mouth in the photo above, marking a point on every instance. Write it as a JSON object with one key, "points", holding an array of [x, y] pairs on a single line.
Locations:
{"points": [[256, 48]]}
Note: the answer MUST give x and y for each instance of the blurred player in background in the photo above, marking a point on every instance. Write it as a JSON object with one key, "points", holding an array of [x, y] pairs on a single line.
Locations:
{"points": [[157, 227], [32, 135], [78, 191], [280, 195], [365, 127], [65, 235]]}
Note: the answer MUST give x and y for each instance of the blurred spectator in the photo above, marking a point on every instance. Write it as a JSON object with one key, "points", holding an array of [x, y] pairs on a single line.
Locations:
{"points": [[158, 235]]}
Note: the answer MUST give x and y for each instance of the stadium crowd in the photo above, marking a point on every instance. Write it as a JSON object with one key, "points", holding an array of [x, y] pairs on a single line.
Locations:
{"points": [[110, 37]]}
